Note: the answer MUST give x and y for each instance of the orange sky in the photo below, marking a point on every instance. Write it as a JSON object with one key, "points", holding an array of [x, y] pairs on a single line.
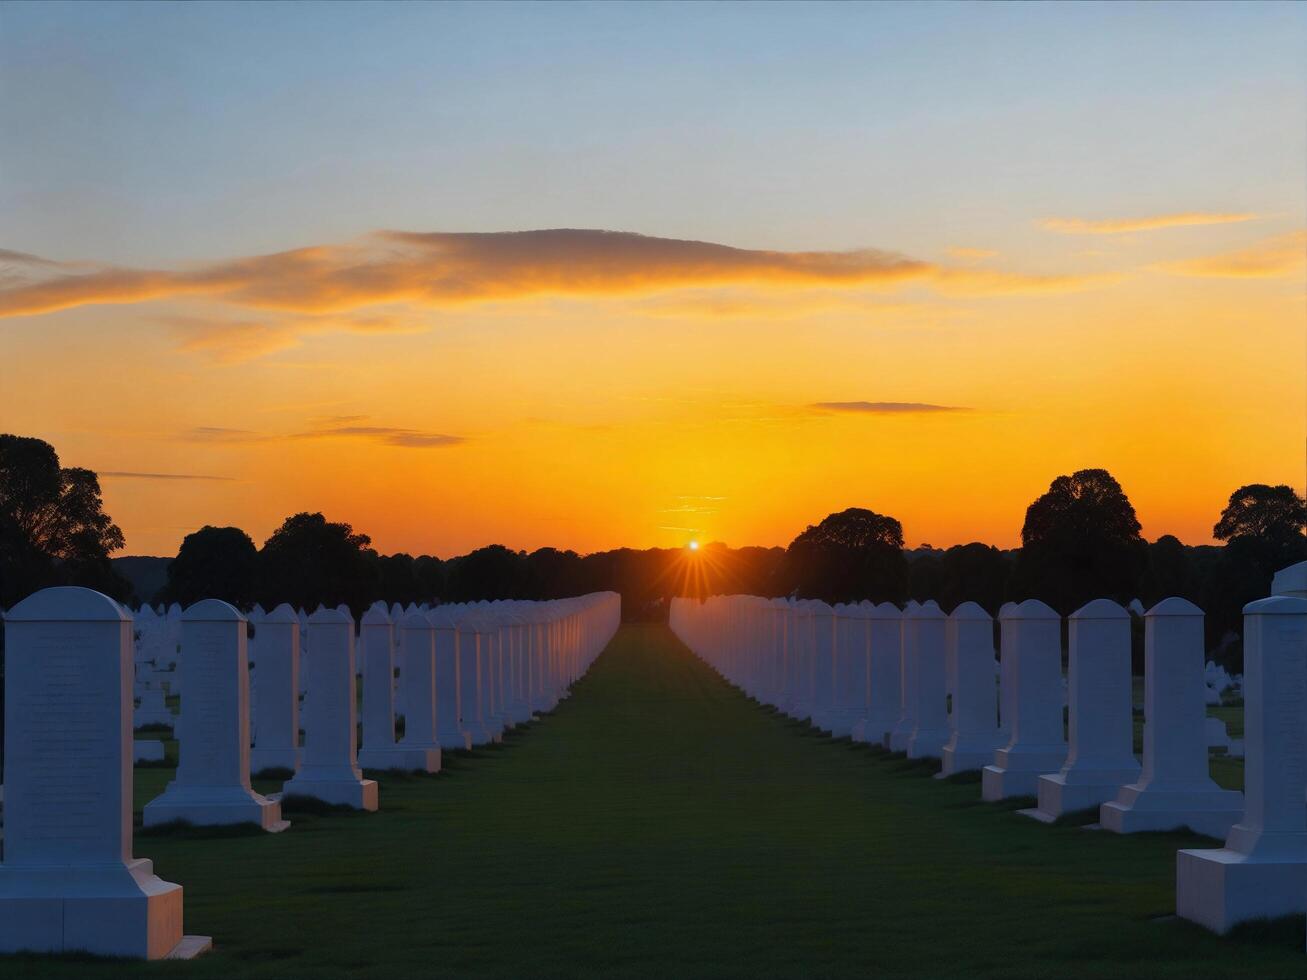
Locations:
{"points": [[921, 259]]}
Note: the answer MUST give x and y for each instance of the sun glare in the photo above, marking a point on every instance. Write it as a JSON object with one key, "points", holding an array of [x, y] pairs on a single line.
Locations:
{"points": [[694, 545]]}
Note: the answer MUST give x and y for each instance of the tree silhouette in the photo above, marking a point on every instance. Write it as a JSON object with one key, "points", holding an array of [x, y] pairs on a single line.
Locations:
{"points": [[1080, 541], [1274, 515], [1262, 527], [213, 563], [855, 554], [309, 561], [53, 529], [492, 572]]}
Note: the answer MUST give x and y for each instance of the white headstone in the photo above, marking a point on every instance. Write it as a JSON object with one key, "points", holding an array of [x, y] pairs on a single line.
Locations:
{"points": [[448, 732], [212, 786], [1036, 740], [1101, 757], [823, 665], [851, 652], [417, 639], [328, 769], [884, 622], [469, 674], [488, 655], [277, 734], [379, 749], [1176, 788], [69, 882], [930, 732], [973, 723], [1262, 870], [901, 733]]}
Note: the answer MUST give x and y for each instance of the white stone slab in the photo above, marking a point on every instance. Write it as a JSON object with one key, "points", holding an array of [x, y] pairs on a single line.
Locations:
{"points": [[1175, 789], [973, 723], [1262, 870], [1032, 652], [884, 688], [277, 734], [212, 785], [929, 647], [329, 769], [69, 882], [1101, 758]]}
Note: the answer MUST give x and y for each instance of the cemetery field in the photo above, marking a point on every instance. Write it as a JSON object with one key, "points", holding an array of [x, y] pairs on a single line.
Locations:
{"points": [[660, 823]]}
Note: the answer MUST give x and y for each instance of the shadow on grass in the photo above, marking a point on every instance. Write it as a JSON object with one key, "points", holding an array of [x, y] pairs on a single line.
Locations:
{"points": [[185, 830], [1077, 818], [313, 807]]}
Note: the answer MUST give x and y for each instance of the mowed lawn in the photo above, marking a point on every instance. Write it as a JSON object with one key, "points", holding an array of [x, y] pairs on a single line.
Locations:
{"points": [[659, 823]]}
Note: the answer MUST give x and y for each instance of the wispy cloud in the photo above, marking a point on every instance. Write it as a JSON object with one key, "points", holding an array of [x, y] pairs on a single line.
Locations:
{"points": [[430, 270], [386, 435], [886, 408], [439, 268], [1284, 255], [217, 434], [1121, 226], [331, 427], [123, 475]]}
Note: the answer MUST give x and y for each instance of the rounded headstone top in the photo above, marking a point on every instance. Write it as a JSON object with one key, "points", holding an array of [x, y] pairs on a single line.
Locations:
{"points": [[1291, 581], [1100, 609], [1175, 606], [414, 621], [927, 610], [1034, 609], [212, 611], [67, 603], [376, 615], [1277, 605], [1006, 609], [885, 610], [443, 618], [333, 616], [971, 612], [282, 615]]}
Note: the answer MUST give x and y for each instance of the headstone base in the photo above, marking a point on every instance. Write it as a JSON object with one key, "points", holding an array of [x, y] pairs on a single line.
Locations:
{"points": [[1016, 772], [1060, 795], [400, 757], [203, 806], [361, 794], [927, 744], [123, 911], [1220, 888], [842, 724], [455, 740], [871, 731], [897, 739], [964, 758], [1203, 809], [190, 947], [261, 759]]}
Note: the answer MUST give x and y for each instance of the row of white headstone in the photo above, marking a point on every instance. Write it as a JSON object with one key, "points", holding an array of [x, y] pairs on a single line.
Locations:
{"points": [[69, 882], [920, 682]]}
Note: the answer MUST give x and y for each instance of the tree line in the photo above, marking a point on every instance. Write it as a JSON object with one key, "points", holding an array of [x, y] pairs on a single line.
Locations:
{"points": [[1080, 540]]}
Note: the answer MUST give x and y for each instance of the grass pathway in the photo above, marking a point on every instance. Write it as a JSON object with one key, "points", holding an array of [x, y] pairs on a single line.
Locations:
{"points": [[661, 824]]}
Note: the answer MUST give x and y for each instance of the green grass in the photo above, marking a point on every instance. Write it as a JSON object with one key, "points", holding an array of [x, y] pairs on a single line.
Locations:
{"points": [[661, 824]]}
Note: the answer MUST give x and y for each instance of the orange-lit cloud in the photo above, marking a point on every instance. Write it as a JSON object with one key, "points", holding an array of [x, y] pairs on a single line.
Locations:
{"points": [[335, 427], [386, 435], [1121, 226], [440, 268], [886, 408], [324, 288], [964, 252], [1284, 255]]}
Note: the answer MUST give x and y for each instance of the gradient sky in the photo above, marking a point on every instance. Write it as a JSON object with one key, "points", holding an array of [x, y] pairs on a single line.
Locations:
{"points": [[919, 258]]}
